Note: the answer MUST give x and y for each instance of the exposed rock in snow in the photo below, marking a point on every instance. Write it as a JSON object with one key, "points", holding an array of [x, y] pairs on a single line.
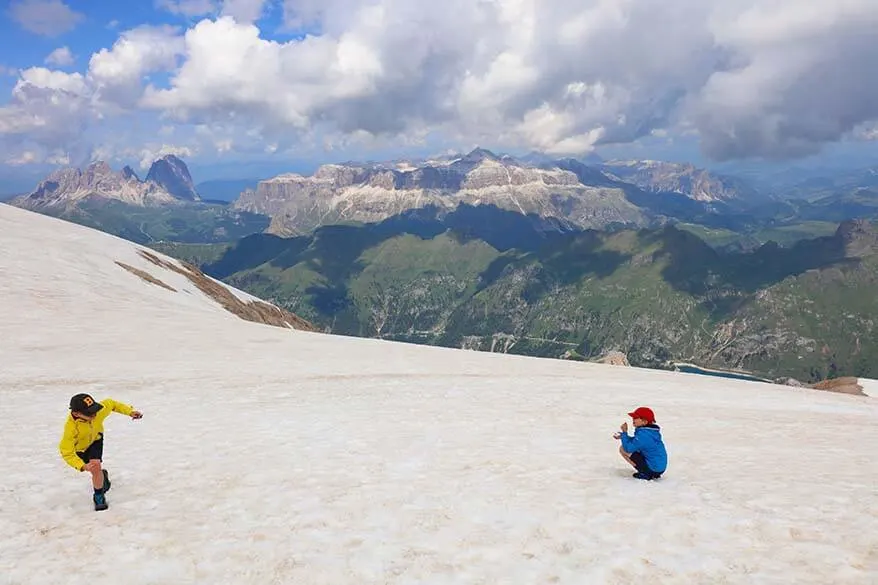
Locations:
{"points": [[614, 358]]}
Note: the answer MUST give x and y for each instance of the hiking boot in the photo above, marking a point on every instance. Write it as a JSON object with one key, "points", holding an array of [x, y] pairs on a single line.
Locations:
{"points": [[100, 500], [106, 481]]}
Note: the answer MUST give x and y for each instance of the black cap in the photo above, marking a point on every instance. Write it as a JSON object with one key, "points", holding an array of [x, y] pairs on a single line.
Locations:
{"points": [[85, 404]]}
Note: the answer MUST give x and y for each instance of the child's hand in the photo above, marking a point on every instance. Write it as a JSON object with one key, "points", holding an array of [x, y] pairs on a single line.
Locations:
{"points": [[624, 427], [617, 436], [136, 414]]}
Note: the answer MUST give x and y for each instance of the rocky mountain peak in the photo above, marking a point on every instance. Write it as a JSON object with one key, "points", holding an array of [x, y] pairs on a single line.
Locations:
{"points": [[479, 154], [168, 182], [171, 173], [474, 159], [98, 168]]}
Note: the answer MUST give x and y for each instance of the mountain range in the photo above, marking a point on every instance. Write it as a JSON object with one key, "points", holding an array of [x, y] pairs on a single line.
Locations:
{"points": [[555, 257], [566, 192], [563, 194]]}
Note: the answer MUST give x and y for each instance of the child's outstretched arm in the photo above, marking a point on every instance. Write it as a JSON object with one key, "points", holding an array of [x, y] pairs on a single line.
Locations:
{"points": [[121, 408]]}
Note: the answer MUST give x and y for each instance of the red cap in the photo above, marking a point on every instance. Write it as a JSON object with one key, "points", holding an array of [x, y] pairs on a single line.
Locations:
{"points": [[644, 413]]}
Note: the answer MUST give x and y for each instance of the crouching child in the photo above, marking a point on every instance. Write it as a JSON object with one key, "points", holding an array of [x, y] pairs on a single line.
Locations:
{"points": [[82, 445], [645, 451]]}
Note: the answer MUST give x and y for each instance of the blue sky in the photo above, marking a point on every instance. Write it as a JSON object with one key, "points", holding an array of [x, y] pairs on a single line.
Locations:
{"points": [[255, 87]]}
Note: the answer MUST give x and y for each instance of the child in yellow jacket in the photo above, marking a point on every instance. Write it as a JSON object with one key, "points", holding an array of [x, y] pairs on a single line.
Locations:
{"points": [[82, 445]]}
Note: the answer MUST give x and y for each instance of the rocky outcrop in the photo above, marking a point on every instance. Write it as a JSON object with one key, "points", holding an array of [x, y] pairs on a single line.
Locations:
{"points": [[845, 385], [614, 358], [372, 193], [167, 183], [254, 310]]}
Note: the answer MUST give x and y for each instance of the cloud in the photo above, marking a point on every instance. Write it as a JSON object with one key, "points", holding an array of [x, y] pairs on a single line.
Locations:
{"points": [[117, 73], [187, 7], [61, 57], [868, 132], [25, 157], [474, 70], [52, 110], [765, 78], [150, 154], [245, 11], [805, 79], [45, 17], [73, 84]]}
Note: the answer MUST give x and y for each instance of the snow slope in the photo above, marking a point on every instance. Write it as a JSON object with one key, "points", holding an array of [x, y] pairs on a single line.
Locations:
{"points": [[270, 455]]}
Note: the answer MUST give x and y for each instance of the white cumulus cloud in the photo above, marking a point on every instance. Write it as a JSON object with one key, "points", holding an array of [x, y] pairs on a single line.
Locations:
{"points": [[118, 73], [60, 57], [767, 78], [149, 155], [44, 17]]}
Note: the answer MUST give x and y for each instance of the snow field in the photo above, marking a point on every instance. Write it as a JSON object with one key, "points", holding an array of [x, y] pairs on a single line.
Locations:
{"points": [[277, 456]]}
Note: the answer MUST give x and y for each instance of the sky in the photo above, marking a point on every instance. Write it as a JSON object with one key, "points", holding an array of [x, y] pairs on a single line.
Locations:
{"points": [[258, 86]]}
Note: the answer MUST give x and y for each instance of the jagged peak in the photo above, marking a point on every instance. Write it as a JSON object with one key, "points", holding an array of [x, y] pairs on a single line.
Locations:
{"points": [[480, 154], [168, 160], [171, 174]]}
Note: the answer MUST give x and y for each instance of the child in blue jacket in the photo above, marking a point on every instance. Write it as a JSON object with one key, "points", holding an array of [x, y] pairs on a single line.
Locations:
{"points": [[645, 451]]}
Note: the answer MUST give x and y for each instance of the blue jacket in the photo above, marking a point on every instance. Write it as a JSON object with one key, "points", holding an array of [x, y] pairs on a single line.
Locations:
{"points": [[647, 441]]}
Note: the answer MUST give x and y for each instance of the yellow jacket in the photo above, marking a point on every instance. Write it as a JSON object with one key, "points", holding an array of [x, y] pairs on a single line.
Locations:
{"points": [[79, 434]]}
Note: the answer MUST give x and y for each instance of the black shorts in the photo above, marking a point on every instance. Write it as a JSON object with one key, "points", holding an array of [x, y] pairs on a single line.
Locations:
{"points": [[642, 467], [94, 451]]}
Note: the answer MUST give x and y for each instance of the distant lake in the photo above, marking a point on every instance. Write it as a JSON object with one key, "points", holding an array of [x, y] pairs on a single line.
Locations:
{"points": [[690, 369]]}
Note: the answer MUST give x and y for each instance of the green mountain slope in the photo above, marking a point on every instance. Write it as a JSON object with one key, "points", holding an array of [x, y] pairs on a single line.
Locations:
{"points": [[498, 281]]}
